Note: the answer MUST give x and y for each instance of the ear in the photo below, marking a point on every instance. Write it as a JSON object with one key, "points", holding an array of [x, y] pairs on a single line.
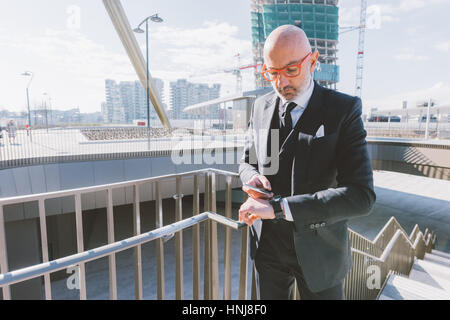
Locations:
{"points": [[314, 58]]}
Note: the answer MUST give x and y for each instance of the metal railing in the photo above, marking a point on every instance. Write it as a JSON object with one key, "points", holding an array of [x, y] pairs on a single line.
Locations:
{"points": [[103, 143], [408, 130], [211, 273], [391, 250]]}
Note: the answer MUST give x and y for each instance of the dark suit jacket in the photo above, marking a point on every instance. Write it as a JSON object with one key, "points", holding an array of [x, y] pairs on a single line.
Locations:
{"points": [[332, 179]]}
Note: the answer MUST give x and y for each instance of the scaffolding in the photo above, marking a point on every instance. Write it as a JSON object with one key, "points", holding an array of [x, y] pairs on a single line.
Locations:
{"points": [[319, 20]]}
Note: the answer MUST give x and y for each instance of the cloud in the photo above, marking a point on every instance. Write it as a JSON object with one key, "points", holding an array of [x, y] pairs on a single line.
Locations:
{"points": [[201, 54], [84, 64], [410, 57], [443, 46], [349, 16], [440, 92], [408, 54], [379, 13], [210, 47]]}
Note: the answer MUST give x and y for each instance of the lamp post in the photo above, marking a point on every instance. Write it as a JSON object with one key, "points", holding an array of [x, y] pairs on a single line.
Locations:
{"points": [[45, 109], [28, 74], [154, 18]]}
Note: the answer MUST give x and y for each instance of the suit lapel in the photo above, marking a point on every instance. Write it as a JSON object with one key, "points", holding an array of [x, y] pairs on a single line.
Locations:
{"points": [[310, 120], [265, 122]]}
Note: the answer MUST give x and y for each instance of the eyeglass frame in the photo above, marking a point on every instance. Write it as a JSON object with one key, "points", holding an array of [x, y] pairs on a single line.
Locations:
{"points": [[282, 70]]}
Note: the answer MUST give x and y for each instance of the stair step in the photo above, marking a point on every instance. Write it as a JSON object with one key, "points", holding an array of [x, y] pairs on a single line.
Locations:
{"points": [[437, 259], [431, 280], [432, 268], [441, 253], [401, 288]]}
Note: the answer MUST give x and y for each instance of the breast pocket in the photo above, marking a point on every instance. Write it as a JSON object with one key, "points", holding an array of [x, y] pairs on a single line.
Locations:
{"points": [[322, 156]]}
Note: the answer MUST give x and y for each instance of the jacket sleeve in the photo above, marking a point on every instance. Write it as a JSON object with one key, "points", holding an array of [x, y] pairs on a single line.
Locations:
{"points": [[354, 195], [248, 165]]}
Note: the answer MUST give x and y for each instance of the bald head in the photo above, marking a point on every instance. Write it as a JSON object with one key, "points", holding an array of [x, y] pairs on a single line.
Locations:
{"points": [[287, 39], [286, 46]]}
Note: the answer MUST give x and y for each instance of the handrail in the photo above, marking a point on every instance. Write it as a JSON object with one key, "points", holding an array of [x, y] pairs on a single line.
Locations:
{"points": [[398, 256], [211, 277], [89, 255]]}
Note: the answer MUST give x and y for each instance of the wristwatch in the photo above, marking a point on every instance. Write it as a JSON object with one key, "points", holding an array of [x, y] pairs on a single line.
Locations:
{"points": [[275, 202]]}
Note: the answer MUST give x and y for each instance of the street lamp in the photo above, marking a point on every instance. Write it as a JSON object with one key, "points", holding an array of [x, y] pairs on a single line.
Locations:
{"points": [[27, 74], [45, 109], [154, 18]]}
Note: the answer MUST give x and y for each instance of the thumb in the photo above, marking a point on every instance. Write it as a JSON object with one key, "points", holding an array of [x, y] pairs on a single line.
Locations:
{"points": [[265, 182]]}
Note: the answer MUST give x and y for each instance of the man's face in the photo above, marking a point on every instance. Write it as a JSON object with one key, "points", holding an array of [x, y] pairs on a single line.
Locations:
{"points": [[282, 56]]}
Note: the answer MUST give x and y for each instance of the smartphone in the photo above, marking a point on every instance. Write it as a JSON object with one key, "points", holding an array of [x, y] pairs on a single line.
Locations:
{"points": [[263, 192]]}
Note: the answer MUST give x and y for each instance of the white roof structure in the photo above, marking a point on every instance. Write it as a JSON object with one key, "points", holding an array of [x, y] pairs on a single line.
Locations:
{"points": [[204, 107], [445, 109]]}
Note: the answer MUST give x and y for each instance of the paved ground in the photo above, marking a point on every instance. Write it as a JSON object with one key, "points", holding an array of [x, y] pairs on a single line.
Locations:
{"points": [[410, 199]]}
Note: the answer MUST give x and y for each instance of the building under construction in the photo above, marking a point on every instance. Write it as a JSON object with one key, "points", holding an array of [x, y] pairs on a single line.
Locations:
{"points": [[319, 20]]}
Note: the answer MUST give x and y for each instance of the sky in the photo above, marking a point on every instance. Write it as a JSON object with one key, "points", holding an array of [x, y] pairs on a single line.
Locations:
{"points": [[71, 47]]}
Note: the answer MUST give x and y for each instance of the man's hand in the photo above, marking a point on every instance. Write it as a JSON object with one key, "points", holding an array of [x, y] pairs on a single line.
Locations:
{"points": [[258, 181], [254, 209]]}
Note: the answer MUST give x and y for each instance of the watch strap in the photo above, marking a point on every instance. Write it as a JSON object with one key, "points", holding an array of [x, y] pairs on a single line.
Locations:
{"points": [[277, 208]]}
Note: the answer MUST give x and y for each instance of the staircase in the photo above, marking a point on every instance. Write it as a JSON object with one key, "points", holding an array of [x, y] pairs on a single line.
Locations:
{"points": [[429, 279]]}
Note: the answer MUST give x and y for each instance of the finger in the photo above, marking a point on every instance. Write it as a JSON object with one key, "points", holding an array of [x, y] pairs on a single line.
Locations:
{"points": [[255, 182], [248, 219], [265, 182], [243, 217], [253, 218]]}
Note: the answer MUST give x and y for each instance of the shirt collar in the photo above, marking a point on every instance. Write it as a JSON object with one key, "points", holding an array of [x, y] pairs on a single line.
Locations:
{"points": [[301, 99]]}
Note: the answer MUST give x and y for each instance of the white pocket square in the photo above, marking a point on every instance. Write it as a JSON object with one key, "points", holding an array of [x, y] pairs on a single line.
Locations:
{"points": [[320, 132]]}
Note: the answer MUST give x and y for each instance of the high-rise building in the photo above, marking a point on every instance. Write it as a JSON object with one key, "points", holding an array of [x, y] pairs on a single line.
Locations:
{"points": [[127, 101], [114, 109], [184, 93], [319, 20]]}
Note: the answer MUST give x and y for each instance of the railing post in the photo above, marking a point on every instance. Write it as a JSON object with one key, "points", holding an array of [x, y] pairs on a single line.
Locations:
{"points": [[138, 249], [227, 254], [111, 239], [44, 246], [196, 242], [80, 244], [207, 257], [6, 291], [244, 265], [179, 242], [213, 240], [244, 262], [159, 243]]}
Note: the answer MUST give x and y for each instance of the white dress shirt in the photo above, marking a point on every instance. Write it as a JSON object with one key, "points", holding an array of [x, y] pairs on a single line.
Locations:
{"points": [[302, 102]]}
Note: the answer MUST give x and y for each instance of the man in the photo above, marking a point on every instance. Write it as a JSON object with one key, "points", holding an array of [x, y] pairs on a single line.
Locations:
{"points": [[319, 173], [12, 130]]}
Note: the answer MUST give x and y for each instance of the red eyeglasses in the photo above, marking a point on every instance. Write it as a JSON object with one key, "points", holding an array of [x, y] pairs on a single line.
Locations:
{"points": [[290, 71]]}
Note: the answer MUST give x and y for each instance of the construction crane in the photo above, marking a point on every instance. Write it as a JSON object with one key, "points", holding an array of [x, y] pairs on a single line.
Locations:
{"points": [[236, 71], [360, 56]]}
